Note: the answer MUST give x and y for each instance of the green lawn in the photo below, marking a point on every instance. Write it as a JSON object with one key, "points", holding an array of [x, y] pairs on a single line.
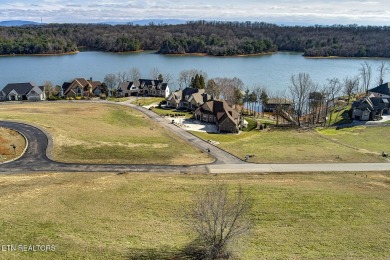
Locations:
{"points": [[288, 146], [374, 139], [146, 101], [104, 133], [140, 216], [171, 112]]}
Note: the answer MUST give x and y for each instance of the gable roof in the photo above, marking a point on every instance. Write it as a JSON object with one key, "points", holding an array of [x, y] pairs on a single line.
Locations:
{"points": [[20, 88], [150, 82], [220, 109], [187, 92], [68, 86], [126, 85], [279, 101], [383, 89]]}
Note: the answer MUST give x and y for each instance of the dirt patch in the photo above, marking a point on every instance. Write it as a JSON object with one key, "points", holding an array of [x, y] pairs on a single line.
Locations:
{"points": [[8, 140]]}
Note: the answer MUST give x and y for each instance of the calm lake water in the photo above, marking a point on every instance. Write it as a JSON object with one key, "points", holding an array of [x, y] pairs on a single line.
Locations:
{"points": [[271, 71]]}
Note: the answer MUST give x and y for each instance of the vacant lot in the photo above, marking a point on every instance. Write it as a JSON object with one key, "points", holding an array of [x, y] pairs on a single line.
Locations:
{"points": [[9, 139], [289, 146], [373, 139], [140, 216], [102, 133]]}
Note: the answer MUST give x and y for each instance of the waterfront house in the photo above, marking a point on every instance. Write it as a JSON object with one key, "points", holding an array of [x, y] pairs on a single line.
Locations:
{"points": [[220, 113], [22, 91], [80, 87], [381, 90], [154, 88], [370, 108], [273, 104], [126, 89], [187, 95], [174, 99]]}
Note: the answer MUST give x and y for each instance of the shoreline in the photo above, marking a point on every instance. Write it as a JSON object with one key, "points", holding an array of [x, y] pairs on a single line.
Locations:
{"points": [[40, 54], [195, 54]]}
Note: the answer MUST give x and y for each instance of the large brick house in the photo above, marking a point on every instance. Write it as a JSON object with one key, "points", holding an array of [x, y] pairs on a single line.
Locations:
{"points": [[219, 112]]}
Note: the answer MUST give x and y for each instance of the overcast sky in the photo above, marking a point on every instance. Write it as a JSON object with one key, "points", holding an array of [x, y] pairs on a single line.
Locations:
{"points": [[375, 12]]}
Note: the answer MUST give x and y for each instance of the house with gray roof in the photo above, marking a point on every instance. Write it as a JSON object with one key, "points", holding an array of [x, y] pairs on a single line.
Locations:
{"points": [[370, 108], [127, 89], [22, 91]]}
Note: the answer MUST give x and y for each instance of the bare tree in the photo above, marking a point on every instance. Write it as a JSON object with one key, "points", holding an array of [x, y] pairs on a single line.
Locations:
{"points": [[49, 89], [365, 75], [332, 89], [350, 86], [213, 89], [121, 77], [219, 218], [383, 69], [154, 73], [167, 77], [110, 80], [301, 86], [186, 76], [134, 74]]}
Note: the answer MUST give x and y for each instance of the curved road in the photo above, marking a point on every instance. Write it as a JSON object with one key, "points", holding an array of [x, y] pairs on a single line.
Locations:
{"points": [[36, 160]]}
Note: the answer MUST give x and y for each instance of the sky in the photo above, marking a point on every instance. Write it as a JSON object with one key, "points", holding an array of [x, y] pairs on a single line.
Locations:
{"points": [[300, 12]]}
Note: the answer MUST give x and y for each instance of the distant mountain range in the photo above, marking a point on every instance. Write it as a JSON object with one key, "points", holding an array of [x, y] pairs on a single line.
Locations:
{"points": [[17, 23], [135, 22]]}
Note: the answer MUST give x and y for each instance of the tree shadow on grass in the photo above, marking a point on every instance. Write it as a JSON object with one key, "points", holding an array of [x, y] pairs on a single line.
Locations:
{"points": [[154, 253], [192, 251]]}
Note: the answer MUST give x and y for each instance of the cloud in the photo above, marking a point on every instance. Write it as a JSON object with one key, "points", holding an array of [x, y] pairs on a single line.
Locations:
{"points": [[312, 11]]}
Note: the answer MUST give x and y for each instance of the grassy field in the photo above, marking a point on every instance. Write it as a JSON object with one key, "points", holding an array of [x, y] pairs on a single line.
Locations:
{"points": [[365, 138], [103, 133], [8, 139], [140, 216], [146, 101], [171, 112], [293, 146]]}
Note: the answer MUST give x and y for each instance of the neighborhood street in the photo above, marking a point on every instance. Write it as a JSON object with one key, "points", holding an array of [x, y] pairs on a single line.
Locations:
{"points": [[35, 158]]}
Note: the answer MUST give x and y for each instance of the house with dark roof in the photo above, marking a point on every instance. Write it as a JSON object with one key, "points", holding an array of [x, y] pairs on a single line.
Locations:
{"points": [[127, 89], [381, 90], [273, 103], [370, 108], [153, 87], [22, 91], [219, 112], [80, 87]]}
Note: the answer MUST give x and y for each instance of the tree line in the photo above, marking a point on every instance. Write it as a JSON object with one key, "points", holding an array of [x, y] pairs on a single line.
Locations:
{"points": [[213, 38]]}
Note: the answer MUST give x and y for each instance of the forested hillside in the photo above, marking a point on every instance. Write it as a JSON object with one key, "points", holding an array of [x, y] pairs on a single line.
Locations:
{"points": [[213, 38]]}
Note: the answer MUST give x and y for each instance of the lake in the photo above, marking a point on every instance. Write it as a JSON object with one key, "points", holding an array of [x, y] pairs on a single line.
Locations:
{"points": [[272, 71]]}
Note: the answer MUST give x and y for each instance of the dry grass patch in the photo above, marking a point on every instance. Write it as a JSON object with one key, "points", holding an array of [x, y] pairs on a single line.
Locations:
{"points": [[8, 139], [140, 216], [288, 146], [104, 133]]}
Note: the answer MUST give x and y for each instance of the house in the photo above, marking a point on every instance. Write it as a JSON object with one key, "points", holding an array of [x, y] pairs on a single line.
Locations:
{"points": [[198, 99], [154, 88], [370, 108], [174, 99], [22, 91], [80, 87], [220, 113], [126, 89], [187, 95], [381, 90], [273, 103]]}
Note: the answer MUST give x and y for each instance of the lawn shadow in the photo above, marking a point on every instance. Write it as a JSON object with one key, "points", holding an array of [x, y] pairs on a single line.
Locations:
{"points": [[154, 253]]}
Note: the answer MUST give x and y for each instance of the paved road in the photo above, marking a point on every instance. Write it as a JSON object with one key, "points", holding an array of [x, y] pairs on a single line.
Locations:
{"points": [[36, 160]]}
